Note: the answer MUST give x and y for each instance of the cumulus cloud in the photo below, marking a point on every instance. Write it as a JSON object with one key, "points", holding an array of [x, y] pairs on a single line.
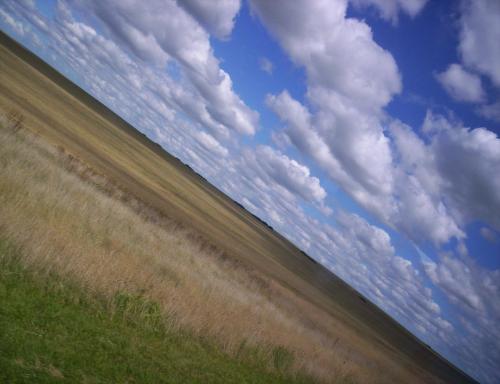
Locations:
{"points": [[210, 143], [452, 277], [480, 54], [466, 159], [345, 59], [479, 37], [350, 78], [216, 16], [421, 211], [17, 26], [471, 289], [393, 173], [390, 9], [461, 85], [363, 255], [439, 185], [452, 173], [490, 111], [142, 28], [24, 9], [289, 173]]}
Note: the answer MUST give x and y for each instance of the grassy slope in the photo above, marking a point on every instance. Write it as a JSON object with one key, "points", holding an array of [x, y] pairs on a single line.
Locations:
{"points": [[53, 332], [55, 210]]}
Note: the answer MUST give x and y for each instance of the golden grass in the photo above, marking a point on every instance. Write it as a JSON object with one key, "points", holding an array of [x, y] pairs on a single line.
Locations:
{"points": [[71, 220]]}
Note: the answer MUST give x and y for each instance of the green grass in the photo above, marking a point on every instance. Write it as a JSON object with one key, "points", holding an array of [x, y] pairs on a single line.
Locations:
{"points": [[51, 332]]}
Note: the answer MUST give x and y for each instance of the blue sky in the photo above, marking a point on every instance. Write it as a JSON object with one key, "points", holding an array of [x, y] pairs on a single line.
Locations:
{"points": [[366, 131]]}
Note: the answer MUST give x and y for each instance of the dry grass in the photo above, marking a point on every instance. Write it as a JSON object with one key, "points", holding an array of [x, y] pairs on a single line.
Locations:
{"points": [[69, 219]]}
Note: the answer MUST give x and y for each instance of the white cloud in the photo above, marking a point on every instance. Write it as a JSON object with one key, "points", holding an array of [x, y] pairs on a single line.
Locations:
{"points": [[438, 186], [394, 174], [479, 37], [471, 289], [271, 175], [339, 54], [216, 16], [143, 28], [11, 22], [358, 159], [424, 216], [266, 65], [466, 160], [363, 255], [350, 79], [290, 174], [24, 9], [389, 9], [461, 85], [452, 278], [421, 211], [490, 111], [211, 143], [452, 174]]}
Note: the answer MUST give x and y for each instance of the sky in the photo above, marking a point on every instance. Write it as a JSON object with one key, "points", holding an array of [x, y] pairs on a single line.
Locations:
{"points": [[365, 131]]}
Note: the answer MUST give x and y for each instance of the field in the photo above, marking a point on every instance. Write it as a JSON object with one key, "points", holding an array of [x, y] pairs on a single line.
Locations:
{"points": [[86, 198], [52, 331]]}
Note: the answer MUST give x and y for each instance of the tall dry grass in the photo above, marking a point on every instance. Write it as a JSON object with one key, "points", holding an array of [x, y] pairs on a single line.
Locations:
{"points": [[72, 221]]}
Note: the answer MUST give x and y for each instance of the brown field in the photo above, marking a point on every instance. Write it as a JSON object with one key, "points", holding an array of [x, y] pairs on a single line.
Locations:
{"points": [[86, 195]]}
